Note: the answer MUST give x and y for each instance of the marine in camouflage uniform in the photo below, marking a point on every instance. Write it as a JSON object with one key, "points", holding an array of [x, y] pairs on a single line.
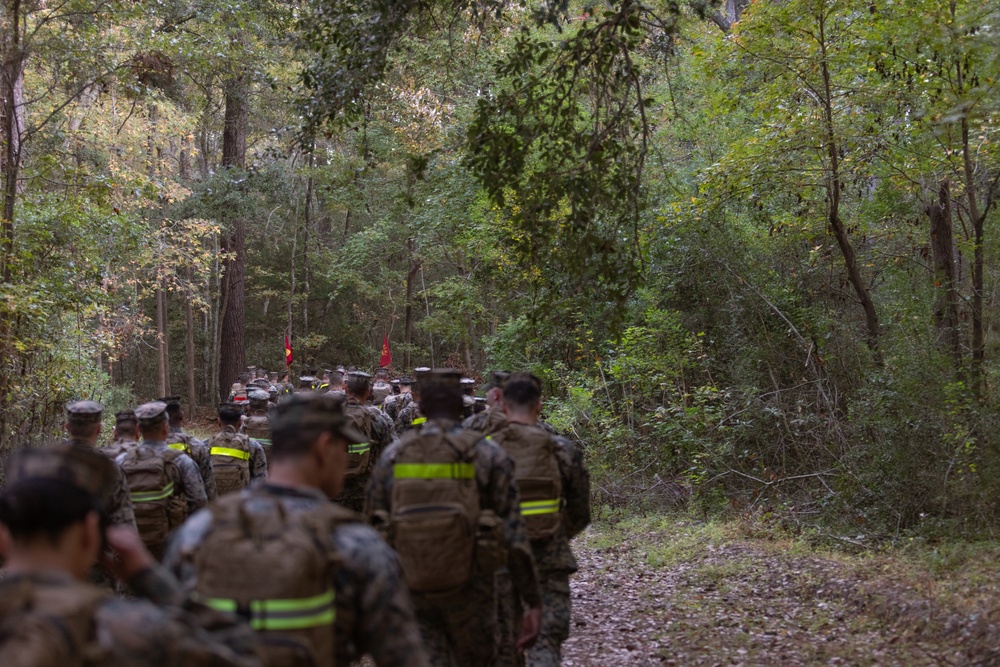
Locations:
{"points": [[230, 416], [553, 556], [374, 612], [50, 617], [190, 445], [83, 424], [126, 433], [460, 630], [378, 436], [396, 402], [257, 425], [409, 417], [188, 482], [491, 419]]}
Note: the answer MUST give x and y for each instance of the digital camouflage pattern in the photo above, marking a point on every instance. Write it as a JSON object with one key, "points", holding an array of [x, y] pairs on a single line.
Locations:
{"points": [[117, 502], [380, 435], [258, 455], [374, 609], [199, 453], [556, 611], [408, 416], [188, 483], [51, 619], [475, 627], [394, 403]]}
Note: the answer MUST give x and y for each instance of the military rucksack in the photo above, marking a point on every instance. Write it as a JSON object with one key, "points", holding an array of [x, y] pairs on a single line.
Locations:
{"points": [[159, 508], [274, 568], [380, 391], [536, 470], [49, 624], [437, 524], [258, 427], [230, 456], [359, 454]]}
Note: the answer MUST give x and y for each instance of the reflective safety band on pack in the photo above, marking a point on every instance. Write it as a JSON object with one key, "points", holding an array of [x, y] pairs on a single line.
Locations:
{"points": [[150, 496], [419, 420], [226, 451], [179, 446], [287, 614], [434, 471], [535, 507], [359, 448]]}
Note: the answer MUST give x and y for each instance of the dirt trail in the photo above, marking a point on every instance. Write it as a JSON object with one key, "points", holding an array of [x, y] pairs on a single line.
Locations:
{"points": [[737, 602]]}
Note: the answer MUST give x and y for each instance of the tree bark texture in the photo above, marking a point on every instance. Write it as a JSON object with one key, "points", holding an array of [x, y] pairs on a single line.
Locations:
{"points": [[945, 284], [12, 121], [232, 343]]}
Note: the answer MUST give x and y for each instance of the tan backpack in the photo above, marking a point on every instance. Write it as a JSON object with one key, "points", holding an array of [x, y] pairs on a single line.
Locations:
{"points": [[359, 454], [159, 507], [230, 456], [436, 524], [49, 624], [274, 568], [536, 470]]}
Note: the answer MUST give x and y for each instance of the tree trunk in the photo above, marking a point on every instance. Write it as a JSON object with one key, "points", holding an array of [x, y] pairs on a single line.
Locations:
{"points": [[232, 344], [163, 357], [411, 274], [833, 212], [943, 254], [189, 324], [152, 152], [12, 122]]}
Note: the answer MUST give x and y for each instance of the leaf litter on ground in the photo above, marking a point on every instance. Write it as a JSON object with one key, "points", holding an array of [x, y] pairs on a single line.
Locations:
{"points": [[669, 591]]}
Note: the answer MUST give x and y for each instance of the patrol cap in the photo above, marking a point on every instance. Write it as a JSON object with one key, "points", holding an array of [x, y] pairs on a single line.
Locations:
{"points": [[263, 383], [337, 375], [273, 375], [394, 382], [82, 413], [443, 377], [230, 411], [306, 379], [81, 467], [467, 381], [405, 381], [498, 379], [173, 403], [126, 417], [312, 410], [152, 413], [259, 396], [382, 370], [359, 375]]}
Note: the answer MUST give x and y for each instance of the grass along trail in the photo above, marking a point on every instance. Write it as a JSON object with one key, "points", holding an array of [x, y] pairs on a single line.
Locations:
{"points": [[666, 591]]}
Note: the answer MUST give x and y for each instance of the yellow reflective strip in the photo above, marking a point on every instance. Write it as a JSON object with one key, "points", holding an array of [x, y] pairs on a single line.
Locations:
{"points": [[226, 451], [293, 604], [150, 496], [419, 420], [219, 605], [327, 617], [534, 507], [179, 446], [434, 471], [360, 448]]}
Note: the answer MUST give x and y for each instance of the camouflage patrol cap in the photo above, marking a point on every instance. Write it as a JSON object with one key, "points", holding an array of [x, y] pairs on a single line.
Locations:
{"points": [[126, 417], [467, 381], [313, 410], [259, 396], [306, 379], [405, 381], [273, 375], [230, 411], [444, 377], [498, 379], [395, 382], [81, 467], [173, 403], [152, 413], [82, 413], [360, 375]]}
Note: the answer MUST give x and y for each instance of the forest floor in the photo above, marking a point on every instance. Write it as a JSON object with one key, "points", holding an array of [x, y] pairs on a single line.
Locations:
{"points": [[672, 591]]}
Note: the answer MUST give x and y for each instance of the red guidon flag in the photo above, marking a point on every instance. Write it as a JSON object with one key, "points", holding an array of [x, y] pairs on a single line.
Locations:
{"points": [[288, 351], [386, 353]]}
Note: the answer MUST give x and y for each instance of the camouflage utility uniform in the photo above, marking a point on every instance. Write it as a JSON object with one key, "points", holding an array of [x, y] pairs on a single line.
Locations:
{"points": [[461, 630], [409, 417], [154, 631], [188, 483], [118, 501], [198, 451], [374, 613], [379, 437]]}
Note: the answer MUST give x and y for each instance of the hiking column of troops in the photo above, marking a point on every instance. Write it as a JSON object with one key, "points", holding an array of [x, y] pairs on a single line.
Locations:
{"points": [[341, 516]]}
